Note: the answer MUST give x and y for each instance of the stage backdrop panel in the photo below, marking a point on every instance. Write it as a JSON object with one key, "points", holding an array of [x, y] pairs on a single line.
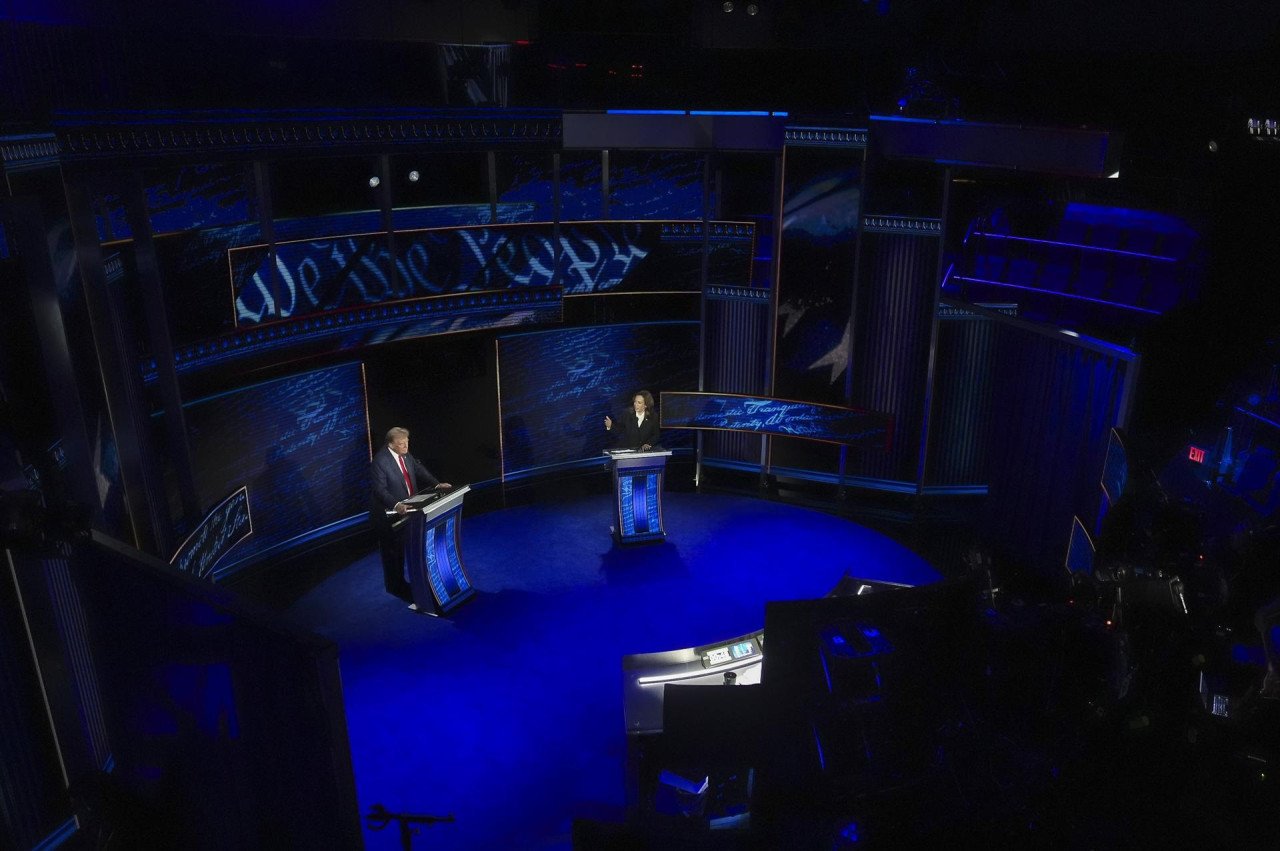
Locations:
{"points": [[1056, 400], [186, 197], [820, 219], [737, 326], [526, 187], [301, 446], [581, 185], [198, 213], [556, 387], [655, 184]]}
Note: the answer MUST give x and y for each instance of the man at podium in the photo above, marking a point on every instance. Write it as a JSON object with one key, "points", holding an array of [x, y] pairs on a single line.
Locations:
{"points": [[638, 428], [395, 476]]}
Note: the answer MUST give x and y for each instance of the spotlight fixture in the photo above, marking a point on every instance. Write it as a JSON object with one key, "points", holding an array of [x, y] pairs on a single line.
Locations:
{"points": [[374, 181], [727, 5], [753, 9], [413, 176]]}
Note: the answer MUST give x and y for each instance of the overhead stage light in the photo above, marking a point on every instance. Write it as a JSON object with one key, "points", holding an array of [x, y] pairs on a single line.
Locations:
{"points": [[727, 5], [374, 181], [413, 176]]}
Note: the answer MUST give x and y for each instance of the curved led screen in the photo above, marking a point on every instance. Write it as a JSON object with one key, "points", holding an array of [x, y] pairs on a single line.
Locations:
{"points": [[826, 423], [300, 445], [226, 525], [556, 387], [320, 275]]}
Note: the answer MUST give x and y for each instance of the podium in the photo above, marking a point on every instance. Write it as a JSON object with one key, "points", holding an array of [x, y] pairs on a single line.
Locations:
{"points": [[433, 551], [637, 490]]}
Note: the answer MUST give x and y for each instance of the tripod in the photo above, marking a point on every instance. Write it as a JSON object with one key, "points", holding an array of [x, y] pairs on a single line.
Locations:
{"points": [[378, 818]]}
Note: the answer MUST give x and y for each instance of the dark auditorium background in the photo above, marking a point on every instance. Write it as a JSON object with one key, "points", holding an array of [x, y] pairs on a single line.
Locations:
{"points": [[991, 284]]}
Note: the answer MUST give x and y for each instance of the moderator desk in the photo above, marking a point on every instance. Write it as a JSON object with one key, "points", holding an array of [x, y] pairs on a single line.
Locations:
{"points": [[433, 551], [637, 489]]}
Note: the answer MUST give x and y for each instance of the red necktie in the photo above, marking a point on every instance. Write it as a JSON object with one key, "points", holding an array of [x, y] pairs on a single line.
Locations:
{"points": [[408, 483]]}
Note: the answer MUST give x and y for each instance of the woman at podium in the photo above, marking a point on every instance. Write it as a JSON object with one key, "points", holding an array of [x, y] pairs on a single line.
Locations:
{"points": [[638, 428]]}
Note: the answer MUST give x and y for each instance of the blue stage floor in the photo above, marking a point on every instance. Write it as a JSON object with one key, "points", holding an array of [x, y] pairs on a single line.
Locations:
{"points": [[508, 714]]}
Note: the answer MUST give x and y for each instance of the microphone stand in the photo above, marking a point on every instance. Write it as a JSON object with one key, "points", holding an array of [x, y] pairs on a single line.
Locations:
{"points": [[378, 818]]}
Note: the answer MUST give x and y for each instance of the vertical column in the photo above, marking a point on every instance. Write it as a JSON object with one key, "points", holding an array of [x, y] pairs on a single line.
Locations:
{"points": [[702, 300], [779, 167], [157, 320], [939, 271], [852, 327], [30, 240], [385, 208], [121, 380], [557, 207], [604, 184], [493, 187]]}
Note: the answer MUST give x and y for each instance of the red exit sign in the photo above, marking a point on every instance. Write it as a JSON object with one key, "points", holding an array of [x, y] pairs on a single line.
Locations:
{"points": [[1196, 454]]}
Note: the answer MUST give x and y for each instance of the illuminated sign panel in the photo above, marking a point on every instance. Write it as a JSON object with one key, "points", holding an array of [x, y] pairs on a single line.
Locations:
{"points": [[785, 417]]}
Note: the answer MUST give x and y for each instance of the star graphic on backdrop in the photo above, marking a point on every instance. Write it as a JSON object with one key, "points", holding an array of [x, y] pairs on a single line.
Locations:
{"points": [[792, 314], [837, 358]]}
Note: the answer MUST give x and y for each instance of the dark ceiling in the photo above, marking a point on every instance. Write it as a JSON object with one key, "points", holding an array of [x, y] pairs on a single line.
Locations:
{"points": [[1171, 75], [1019, 60]]}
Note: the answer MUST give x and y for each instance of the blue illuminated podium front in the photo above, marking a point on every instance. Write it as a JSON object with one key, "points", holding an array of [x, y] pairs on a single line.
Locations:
{"points": [[433, 554], [637, 492]]}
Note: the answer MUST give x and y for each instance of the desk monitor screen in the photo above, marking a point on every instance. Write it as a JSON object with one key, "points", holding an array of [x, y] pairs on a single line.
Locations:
{"points": [[729, 653], [719, 656]]}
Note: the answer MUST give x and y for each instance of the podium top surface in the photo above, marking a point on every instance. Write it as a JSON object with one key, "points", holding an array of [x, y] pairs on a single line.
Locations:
{"points": [[447, 498], [637, 453], [433, 502]]}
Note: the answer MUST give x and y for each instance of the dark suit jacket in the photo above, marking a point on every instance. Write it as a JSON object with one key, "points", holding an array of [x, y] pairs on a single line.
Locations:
{"points": [[388, 482], [633, 435]]}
